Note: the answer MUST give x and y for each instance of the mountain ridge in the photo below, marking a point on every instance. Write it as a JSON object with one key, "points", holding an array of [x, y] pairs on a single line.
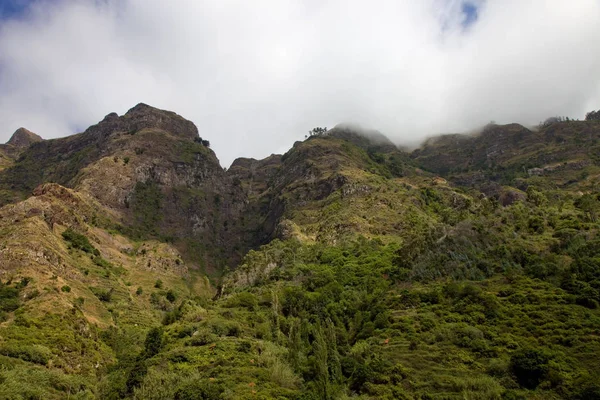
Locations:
{"points": [[132, 265]]}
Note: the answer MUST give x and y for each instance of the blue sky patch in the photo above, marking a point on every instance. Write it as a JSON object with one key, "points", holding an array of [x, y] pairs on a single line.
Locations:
{"points": [[469, 11], [13, 8]]}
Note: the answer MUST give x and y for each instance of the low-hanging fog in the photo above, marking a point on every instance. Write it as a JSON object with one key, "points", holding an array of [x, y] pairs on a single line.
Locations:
{"points": [[257, 75]]}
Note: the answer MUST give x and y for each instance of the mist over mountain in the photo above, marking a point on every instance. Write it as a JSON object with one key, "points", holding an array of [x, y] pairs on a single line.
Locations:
{"points": [[133, 265], [256, 77], [302, 200]]}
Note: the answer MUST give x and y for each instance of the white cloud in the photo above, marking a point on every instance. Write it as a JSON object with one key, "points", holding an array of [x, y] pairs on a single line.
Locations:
{"points": [[256, 76]]}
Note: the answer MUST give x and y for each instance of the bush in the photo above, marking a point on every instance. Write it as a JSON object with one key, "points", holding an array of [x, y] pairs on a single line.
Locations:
{"points": [[202, 338], [66, 289], [79, 241], [158, 284], [104, 295], [195, 389], [530, 367], [9, 298], [171, 296], [153, 342], [244, 346], [172, 316]]}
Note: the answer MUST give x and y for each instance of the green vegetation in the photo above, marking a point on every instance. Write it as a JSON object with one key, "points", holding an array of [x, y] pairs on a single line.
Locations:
{"points": [[79, 241], [386, 282], [146, 207]]}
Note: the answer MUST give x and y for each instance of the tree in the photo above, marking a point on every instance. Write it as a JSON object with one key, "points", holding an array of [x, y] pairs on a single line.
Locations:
{"points": [[593, 116], [318, 131]]}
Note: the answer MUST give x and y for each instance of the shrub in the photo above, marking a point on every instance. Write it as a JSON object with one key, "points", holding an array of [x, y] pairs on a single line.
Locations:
{"points": [[196, 388], [9, 298], [172, 316], [104, 295], [202, 338], [243, 299], [186, 331], [497, 367], [66, 288], [530, 367], [233, 329], [171, 296], [153, 342], [244, 346], [158, 284], [79, 241], [23, 282], [101, 262]]}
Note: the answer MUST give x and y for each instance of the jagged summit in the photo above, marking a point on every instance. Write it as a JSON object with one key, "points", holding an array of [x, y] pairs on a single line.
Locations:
{"points": [[143, 116], [23, 138]]}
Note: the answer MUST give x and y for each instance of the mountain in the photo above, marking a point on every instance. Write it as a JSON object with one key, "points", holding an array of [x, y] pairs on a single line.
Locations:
{"points": [[153, 172], [132, 265], [23, 138], [559, 152], [20, 140]]}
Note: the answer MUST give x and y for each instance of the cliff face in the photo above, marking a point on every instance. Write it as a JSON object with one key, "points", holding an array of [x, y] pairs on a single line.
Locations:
{"points": [[150, 168]]}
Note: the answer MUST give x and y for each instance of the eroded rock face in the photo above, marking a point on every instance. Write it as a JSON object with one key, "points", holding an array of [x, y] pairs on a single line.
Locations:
{"points": [[254, 175]]}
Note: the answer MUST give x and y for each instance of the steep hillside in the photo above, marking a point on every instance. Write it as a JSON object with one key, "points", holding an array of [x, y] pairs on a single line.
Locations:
{"points": [[315, 191], [73, 283], [133, 266]]}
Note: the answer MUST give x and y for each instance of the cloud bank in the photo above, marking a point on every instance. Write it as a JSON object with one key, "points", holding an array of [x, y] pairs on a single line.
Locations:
{"points": [[256, 76]]}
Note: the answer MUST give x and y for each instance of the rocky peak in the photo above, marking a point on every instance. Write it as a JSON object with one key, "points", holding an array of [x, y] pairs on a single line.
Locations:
{"points": [[143, 116], [23, 138]]}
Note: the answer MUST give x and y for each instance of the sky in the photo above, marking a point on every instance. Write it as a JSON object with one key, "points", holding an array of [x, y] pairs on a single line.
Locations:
{"points": [[255, 76]]}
